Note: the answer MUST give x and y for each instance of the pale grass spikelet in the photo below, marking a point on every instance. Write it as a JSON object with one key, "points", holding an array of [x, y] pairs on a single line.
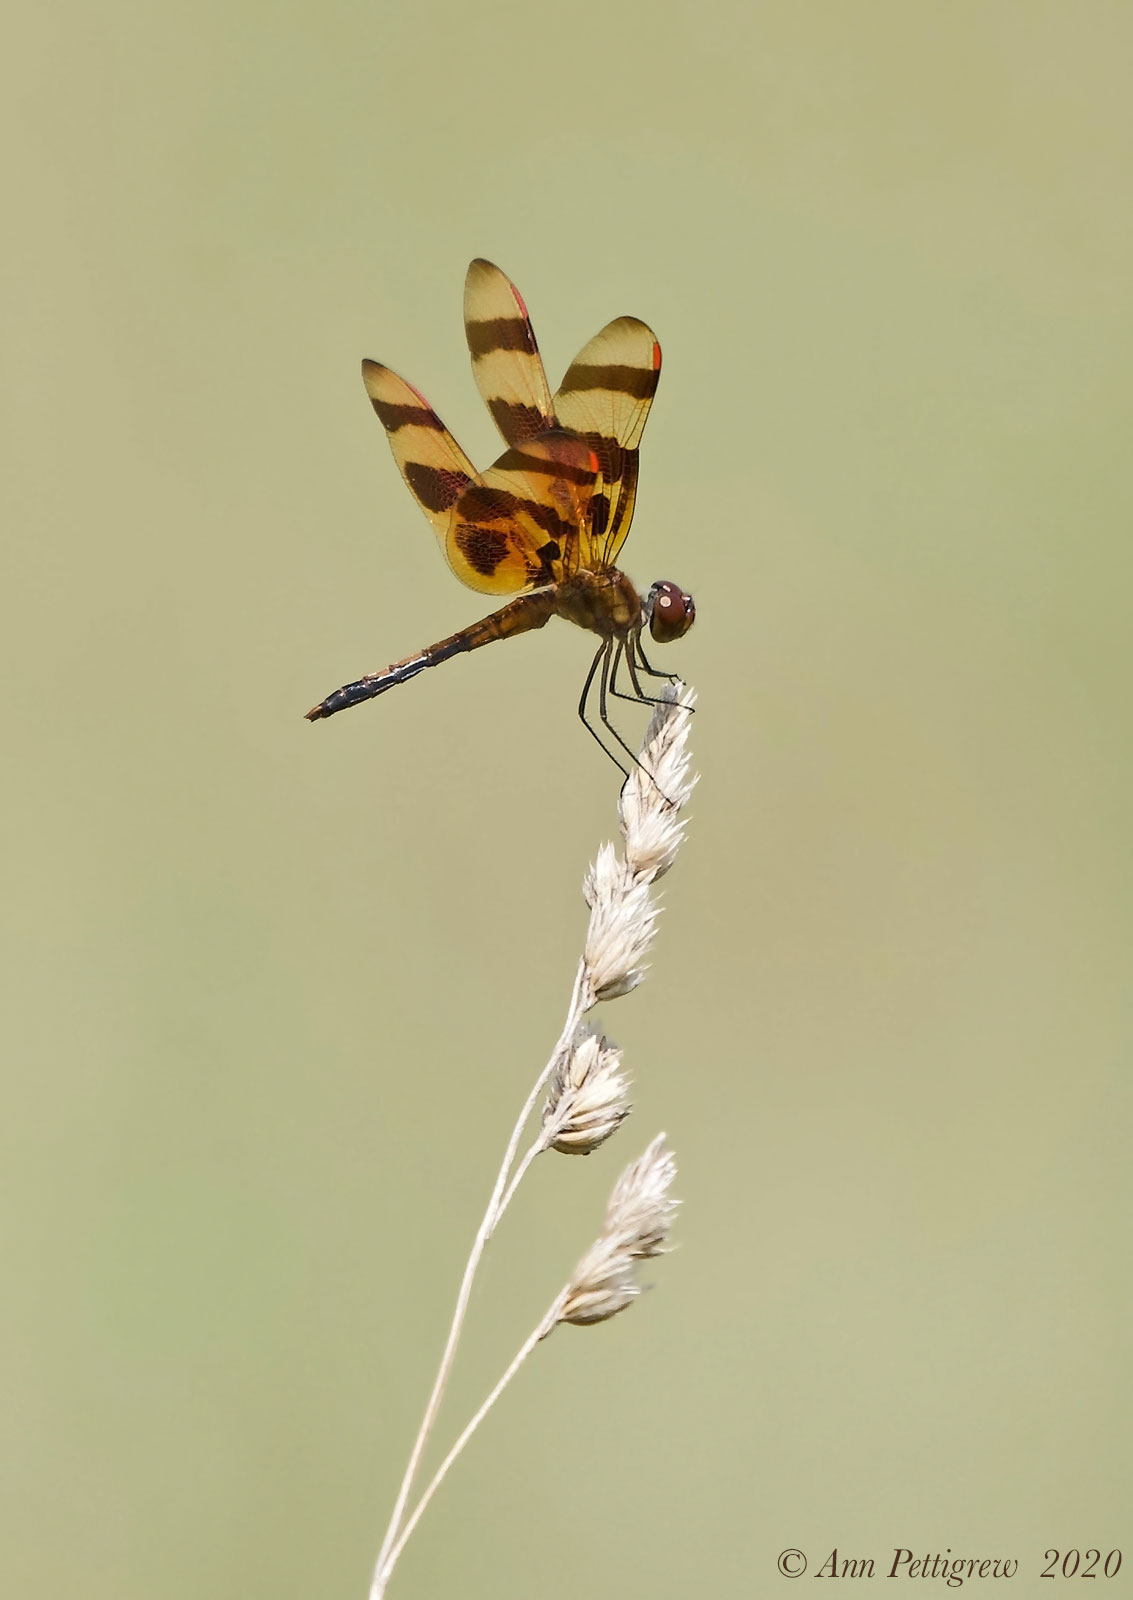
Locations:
{"points": [[622, 915], [587, 1100], [622, 924], [604, 1283], [655, 792], [641, 1210], [638, 1218]]}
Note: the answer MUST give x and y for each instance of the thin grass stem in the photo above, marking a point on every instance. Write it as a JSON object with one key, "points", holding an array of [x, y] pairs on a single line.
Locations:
{"points": [[382, 1576], [501, 1197]]}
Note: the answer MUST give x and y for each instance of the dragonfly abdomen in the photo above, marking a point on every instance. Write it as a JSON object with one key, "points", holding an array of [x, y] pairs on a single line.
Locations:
{"points": [[352, 694], [520, 616]]}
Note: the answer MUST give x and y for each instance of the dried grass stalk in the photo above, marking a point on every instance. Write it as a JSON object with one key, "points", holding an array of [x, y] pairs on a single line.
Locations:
{"points": [[587, 1092]]}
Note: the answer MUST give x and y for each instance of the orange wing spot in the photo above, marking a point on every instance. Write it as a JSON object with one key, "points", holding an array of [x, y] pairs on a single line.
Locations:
{"points": [[656, 356]]}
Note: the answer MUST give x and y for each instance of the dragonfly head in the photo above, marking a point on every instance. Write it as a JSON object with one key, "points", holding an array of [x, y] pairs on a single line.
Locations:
{"points": [[669, 611]]}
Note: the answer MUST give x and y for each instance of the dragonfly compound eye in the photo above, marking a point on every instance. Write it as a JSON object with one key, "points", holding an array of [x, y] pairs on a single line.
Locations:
{"points": [[671, 612]]}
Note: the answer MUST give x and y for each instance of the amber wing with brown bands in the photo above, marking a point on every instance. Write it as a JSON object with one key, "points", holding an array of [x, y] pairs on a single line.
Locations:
{"points": [[525, 522], [518, 527], [435, 468], [506, 363], [605, 396]]}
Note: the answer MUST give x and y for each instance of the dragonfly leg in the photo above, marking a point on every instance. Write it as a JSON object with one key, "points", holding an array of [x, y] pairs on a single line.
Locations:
{"points": [[649, 670], [639, 697], [610, 658], [607, 659], [600, 660]]}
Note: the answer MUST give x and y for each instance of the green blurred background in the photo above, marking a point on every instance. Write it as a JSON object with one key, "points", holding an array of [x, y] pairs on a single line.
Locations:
{"points": [[276, 990]]}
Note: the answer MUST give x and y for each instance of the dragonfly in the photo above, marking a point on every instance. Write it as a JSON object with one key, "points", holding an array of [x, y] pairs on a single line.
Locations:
{"points": [[547, 522]]}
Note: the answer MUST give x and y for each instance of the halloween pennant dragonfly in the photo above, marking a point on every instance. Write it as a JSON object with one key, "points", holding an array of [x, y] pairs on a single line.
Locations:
{"points": [[547, 521]]}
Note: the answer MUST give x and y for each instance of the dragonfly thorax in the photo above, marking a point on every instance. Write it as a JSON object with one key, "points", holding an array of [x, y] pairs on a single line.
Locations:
{"points": [[603, 601]]}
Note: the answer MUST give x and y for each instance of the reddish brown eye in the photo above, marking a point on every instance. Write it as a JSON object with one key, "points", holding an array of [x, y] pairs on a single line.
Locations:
{"points": [[671, 612]]}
